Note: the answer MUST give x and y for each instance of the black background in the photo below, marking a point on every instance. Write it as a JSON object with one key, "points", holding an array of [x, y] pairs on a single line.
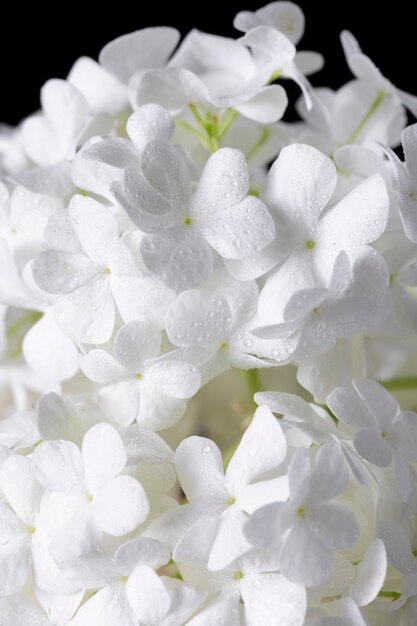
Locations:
{"points": [[38, 45]]}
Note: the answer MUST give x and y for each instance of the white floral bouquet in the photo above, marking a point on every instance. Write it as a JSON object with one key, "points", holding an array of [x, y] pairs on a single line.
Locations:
{"points": [[148, 251]]}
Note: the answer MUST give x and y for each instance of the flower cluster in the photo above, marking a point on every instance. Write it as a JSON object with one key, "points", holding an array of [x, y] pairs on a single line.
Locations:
{"points": [[160, 226]]}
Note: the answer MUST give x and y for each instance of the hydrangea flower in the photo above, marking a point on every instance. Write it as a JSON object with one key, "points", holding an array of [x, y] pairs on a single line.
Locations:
{"points": [[152, 263]]}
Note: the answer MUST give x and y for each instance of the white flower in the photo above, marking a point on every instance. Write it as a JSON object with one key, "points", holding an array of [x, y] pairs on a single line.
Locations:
{"points": [[105, 84], [384, 434], [211, 326], [24, 542], [362, 67], [226, 76], [138, 385], [219, 214], [135, 591], [64, 124], [226, 496], [286, 17], [315, 318], [267, 596], [94, 497], [92, 270], [405, 187], [308, 527], [43, 609], [297, 189]]}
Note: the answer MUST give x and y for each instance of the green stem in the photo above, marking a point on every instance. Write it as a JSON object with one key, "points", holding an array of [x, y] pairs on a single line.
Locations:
{"points": [[253, 385], [393, 595], [190, 129], [407, 382], [227, 121], [25, 320], [332, 415], [374, 106], [258, 145], [194, 110]]}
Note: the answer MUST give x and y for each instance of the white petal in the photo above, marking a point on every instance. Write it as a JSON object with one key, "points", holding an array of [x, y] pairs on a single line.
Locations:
{"points": [[197, 534], [104, 455], [40, 143], [266, 107], [87, 313], [199, 466], [223, 183], [56, 271], [173, 88], [295, 274], [308, 62], [378, 400], [142, 49], [248, 462], [359, 218], [102, 91], [406, 434], [46, 574], [153, 303], [57, 418], [224, 610], [370, 574], [150, 121], [230, 541], [267, 526], [14, 564], [94, 226], [120, 506], [176, 378], [349, 407], [179, 256], [165, 176], [329, 475], [158, 410], [335, 524], [286, 404], [100, 366], [48, 351], [372, 447], [58, 465], [185, 601], [50, 180], [239, 231], [147, 595], [79, 537], [122, 400], [299, 185], [141, 551], [398, 546], [259, 494], [199, 317], [303, 301], [114, 151], [20, 488], [92, 175], [136, 342], [107, 607], [299, 470], [269, 43], [304, 559], [152, 213], [18, 610], [272, 599], [65, 109]]}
